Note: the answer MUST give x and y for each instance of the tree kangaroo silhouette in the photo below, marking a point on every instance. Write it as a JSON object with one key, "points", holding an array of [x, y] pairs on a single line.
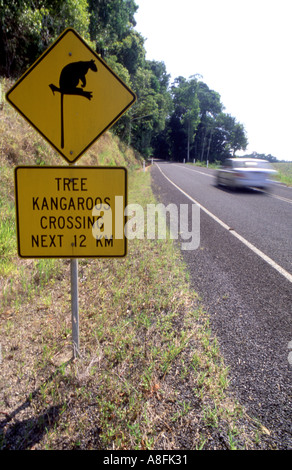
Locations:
{"points": [[70, 77]]}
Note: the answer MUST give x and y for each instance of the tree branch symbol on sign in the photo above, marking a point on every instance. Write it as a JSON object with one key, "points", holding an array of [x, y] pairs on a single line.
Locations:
{"points": [[70, 76]]}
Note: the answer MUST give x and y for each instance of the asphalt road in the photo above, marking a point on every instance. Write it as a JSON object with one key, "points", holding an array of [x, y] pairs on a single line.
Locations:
{"points": [[242, 270]]}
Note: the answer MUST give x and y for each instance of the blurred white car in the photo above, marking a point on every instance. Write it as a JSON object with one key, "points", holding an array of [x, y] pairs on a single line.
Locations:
{"points": [[245, 173]]}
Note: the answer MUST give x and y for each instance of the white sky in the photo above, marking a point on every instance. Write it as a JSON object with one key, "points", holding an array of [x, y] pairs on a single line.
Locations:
{"points": [[241, 48]]}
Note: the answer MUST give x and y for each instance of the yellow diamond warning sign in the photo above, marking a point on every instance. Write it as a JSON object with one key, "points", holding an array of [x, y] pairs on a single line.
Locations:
{"points": [[70, 96], [71, 212]]}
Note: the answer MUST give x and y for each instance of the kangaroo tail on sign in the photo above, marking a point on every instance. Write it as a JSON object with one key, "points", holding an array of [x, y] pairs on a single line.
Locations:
{"points": [[54, 88], [62, 120]]}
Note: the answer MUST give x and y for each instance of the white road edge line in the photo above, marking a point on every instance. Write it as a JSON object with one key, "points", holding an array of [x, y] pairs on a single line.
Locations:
{"points": [[280, 198], [262, 255], [196, 171]]}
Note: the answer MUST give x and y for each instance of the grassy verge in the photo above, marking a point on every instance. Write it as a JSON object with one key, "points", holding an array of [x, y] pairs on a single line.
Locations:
{"points": [[284, 173], [214, 165]]}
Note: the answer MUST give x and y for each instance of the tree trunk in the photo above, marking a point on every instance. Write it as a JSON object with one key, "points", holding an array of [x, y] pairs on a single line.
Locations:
{"points": [[188, 149]]}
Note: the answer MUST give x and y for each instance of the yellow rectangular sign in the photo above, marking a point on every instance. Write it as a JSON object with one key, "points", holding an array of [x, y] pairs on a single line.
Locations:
{"points": [[71, 212]]}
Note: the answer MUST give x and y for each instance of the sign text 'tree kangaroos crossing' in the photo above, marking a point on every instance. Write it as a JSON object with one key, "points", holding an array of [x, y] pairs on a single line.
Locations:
{"points": [[70, 96], [71, 211]]}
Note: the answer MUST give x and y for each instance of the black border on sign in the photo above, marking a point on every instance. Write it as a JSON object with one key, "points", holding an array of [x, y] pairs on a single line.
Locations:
{"points": [[69, 168], [40, 59]]}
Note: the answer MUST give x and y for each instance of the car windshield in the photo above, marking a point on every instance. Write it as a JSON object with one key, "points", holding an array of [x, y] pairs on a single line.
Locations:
{"points": [[252, 164]]}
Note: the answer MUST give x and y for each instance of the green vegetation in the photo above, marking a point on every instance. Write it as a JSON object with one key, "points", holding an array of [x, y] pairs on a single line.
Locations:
{"points": [[182, 120], [284, 173]]}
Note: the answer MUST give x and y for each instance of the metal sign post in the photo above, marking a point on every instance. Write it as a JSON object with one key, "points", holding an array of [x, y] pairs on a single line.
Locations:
{"points": [[75, 307], [57, 207], [63, 212], [74, 303]]}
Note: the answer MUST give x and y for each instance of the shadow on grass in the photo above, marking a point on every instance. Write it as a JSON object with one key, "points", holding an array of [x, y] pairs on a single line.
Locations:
{"points": [[24, 434]]}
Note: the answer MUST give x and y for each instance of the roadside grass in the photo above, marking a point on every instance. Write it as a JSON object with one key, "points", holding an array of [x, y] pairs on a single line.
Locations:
{"points": [[284, 172], [203, 164], [150, 374]]}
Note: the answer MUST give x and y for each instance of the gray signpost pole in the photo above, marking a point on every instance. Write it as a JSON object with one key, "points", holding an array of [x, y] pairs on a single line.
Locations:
{"points": [[75, 307], [74, 304]]}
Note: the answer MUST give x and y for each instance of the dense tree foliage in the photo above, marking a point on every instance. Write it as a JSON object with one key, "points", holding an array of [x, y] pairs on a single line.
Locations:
{"points": [[186, 107], [29, 26], [184, 120]]}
